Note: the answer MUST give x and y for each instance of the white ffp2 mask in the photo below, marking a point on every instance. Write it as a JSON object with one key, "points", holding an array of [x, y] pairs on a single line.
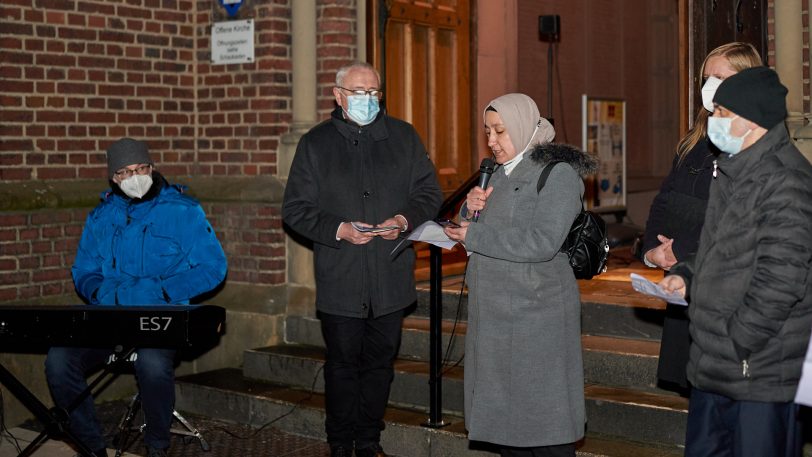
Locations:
{"points": [[136, 186]]}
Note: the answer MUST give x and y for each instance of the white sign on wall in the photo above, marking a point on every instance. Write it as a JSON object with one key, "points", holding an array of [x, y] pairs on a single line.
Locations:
{"points": [[232, 42]]}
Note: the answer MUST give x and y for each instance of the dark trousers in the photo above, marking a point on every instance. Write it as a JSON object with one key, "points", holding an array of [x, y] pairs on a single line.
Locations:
{"points": [[720, 427], [357, 375], [559, 450], [66, 370]]}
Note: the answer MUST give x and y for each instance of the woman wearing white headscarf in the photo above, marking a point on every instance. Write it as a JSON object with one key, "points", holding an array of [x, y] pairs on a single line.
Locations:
{"points": [[524, 382]]}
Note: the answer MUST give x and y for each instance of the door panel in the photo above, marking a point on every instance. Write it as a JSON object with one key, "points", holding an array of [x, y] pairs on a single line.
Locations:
{"points": [[426, 50]]}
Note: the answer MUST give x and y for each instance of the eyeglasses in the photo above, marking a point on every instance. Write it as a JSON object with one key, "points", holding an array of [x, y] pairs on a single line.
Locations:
{"points": [[372, 92], [126, 172]]}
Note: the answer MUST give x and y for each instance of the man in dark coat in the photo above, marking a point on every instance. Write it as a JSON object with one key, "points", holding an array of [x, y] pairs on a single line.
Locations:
{"points": [[750, 281], [357, 181]]}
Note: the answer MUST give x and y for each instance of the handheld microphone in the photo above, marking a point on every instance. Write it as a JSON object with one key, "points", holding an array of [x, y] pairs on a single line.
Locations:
{"points": [[485, 172]]}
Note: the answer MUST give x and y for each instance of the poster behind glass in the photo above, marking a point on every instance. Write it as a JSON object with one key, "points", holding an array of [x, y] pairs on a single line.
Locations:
{"points": [[604, 134]]}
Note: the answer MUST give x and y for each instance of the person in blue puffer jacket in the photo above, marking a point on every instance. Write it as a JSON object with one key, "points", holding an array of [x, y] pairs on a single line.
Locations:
{"points": [[145, 244]]}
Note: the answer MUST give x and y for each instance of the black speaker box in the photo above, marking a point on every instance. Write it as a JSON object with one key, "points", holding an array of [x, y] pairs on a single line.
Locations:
{"points": [[550, 27]]}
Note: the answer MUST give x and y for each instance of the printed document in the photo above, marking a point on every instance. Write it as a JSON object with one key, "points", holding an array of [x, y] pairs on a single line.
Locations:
{"points": [[644, 286]]}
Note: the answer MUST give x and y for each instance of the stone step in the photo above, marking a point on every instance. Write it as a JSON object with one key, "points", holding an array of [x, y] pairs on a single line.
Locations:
{"points": [[227, 395], [607, 360], [625, 412], [414, 342], [608, 307]]}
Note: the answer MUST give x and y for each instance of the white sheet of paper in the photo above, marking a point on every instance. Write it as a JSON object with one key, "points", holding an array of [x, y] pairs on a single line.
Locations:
{"points": [[644, 286], [804, 393], [432, 233]]}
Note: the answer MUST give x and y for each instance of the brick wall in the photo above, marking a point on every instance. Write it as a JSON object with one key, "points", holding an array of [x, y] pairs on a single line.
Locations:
{"points": [[251, 235], [335, 42], [79, 74], [36, 251]]}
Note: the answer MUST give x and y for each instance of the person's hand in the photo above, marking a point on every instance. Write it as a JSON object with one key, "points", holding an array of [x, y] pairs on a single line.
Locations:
{"points": [[475, 200], [673, 283], [348, 233], [391, 234], [457, 233], [662, 255]]}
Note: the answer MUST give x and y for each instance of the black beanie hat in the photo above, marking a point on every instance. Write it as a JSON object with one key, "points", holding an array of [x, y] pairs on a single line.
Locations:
{"points": [[124, 152], [755, 94]]}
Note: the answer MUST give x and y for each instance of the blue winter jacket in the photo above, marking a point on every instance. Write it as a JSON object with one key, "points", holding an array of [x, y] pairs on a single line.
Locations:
{"points": [[157, 251]]}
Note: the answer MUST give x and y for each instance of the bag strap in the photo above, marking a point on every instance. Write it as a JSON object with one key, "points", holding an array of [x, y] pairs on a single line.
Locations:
{"points": [[545, 173]]}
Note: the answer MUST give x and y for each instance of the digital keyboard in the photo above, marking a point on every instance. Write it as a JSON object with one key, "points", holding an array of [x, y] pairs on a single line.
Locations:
{"points": [[174, 326]]}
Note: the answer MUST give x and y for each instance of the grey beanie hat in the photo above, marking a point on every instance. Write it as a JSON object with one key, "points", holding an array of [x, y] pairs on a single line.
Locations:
{"points": [[124, 152]]}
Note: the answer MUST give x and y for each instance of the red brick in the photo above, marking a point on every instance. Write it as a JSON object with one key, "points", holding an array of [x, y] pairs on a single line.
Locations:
{"points": [[53, 260], [56, 116], [13, 249], [46, 217], [8, 264], [50, 275], [15, 278], [29, 263], [51, 232], [53, 289], [15, 174], [8, 294], [96, 21], [55, 102], [29, 292], [16, 145], [56, 173], [77, 20], [8, 220], [18, 86], [28, 234], [39, 247], [8, 235]]}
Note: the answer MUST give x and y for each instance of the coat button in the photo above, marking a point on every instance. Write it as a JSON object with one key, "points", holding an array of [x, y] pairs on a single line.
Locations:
{"points": [[355, 142], [366, 194]]}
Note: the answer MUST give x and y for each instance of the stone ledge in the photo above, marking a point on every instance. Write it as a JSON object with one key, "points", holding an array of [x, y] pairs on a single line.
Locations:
{"points": [[83, 193]]}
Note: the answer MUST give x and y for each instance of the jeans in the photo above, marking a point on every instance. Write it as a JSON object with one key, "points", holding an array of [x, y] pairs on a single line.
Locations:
{"points": [[66, 370], [357, 375], [719, 426]]}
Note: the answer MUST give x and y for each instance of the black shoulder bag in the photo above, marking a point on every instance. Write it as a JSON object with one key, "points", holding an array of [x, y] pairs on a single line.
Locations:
{"points": [[587, 245]]}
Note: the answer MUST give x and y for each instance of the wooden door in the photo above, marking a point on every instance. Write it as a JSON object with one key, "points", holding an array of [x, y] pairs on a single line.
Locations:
{"points": [[713, 23], [425, 50]]}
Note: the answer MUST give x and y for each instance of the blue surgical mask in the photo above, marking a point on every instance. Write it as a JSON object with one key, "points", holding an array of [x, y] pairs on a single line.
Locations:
{"points": [[362, 108], [719, 134]]}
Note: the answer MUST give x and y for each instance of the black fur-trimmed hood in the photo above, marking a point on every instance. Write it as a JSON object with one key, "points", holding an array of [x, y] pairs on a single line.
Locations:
{"points": [[584, 163]]}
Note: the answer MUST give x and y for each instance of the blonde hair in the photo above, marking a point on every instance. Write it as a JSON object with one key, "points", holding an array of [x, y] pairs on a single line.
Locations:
{"points": [[740, 56]]}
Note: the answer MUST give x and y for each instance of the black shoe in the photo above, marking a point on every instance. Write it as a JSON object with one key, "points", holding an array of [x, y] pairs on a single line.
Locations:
{"points": [[153, 452], [372, 451], [340, 451]]}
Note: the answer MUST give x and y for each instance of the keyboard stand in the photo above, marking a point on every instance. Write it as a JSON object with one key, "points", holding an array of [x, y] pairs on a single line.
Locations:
{"points": [[57, 420]]}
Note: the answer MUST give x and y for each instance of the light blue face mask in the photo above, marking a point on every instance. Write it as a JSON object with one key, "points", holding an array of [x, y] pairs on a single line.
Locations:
{"points": [[719, 134], [362, 108]]}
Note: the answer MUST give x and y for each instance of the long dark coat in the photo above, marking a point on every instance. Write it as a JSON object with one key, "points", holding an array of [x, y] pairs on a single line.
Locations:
{"points": [[344, 173], [524, 380], [678, 212]]}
